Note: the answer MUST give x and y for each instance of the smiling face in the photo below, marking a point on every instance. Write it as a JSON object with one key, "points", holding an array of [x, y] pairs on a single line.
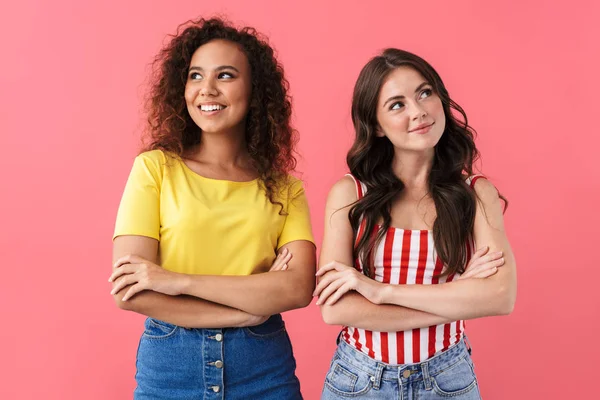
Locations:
{"points": [[410, 114], [218, 87]]}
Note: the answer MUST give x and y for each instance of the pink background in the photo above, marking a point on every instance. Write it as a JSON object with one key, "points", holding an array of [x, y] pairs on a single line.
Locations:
{"points": [[71, 83]]}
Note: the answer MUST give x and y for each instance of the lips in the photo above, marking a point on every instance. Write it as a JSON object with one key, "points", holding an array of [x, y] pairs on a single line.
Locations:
{"points": [[423, 128]]}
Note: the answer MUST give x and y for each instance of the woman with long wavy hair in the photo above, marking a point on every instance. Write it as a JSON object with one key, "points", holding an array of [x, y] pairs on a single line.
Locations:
{"points": [[209, 220], [397, 266]]}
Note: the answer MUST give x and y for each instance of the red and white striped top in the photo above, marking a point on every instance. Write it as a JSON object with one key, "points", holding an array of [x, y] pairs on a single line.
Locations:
{"points": [[406, 257]]}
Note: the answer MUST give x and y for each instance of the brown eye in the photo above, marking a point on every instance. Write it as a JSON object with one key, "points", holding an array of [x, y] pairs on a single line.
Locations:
{"points": [[396, 106], [426, 93]]}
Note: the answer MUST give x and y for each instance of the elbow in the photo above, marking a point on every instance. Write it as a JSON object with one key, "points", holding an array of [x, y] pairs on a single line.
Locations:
{"points": [[506, 303], [330, 316], [302, 295], [123, 305], [508, 306], [304, 300]]}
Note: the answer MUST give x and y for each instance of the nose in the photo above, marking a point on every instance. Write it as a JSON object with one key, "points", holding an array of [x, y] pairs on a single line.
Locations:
{"points": [[208, 88], [418, 112]]}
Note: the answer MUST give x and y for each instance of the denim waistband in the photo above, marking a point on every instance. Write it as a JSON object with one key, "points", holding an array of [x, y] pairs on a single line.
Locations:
{"points": [[407, 372]]}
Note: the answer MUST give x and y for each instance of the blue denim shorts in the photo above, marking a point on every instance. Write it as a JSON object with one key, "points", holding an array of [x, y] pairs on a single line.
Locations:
{"points": [[447, 375], [230, 363]]}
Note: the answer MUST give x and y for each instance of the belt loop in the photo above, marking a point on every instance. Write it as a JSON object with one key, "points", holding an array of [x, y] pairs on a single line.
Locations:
{"points": [[468, 344], [378, 376], [426, 377]]}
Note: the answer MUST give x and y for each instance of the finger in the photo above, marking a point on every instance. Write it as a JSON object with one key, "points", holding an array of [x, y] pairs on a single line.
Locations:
{"points": [[477, 256], [484, 270], [485, 273], [481, 252], [329, 290], [122, 270], [491, 257], [333, 265], [485, 259], [499, 263], [286, 259], [339, 293], [275, 266], [465, 275], [323, 283], [471, 273], [132, 291], [277, 263], [129, 259], [285, 266], [122, 282]]}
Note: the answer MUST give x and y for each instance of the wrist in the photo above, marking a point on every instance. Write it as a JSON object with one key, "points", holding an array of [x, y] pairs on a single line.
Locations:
{"points": [[385, 294], [184, 283]]}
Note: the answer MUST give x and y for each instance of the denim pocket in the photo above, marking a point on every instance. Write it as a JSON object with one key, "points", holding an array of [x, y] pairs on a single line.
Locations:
{"points": [[346, 381], [458, 379], [157, 329], [274, 326]]}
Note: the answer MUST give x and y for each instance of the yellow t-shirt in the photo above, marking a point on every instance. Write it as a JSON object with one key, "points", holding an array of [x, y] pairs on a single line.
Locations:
{"points": [[209, 226]]}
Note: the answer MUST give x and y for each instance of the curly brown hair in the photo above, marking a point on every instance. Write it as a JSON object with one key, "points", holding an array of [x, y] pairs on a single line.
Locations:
{"points": [[270, 138]]}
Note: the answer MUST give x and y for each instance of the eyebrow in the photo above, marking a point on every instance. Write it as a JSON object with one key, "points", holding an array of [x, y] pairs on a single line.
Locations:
{"points": [[402, 97], [220, 68]]}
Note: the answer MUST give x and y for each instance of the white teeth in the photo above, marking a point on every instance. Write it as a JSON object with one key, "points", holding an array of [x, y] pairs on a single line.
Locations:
{"points": [[211, 107]]}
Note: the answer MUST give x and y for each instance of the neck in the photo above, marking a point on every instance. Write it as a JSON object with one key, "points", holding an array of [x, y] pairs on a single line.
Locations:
{"points": [[225, 149], [413, 167]]}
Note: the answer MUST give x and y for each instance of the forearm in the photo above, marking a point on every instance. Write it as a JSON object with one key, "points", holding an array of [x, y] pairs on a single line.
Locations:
{"points": [[465, 299], [356, 311], [260, 294], [185, 311]]}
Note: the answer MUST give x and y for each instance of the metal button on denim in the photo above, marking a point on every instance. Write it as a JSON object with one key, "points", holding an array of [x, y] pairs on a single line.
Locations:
{"points": [[219, 364], [216, 389], [406, 373], [218, 337]]}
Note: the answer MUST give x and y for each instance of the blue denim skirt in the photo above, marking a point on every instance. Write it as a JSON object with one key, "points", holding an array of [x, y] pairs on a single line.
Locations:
{"points": [[353, 374], [230, 363]]}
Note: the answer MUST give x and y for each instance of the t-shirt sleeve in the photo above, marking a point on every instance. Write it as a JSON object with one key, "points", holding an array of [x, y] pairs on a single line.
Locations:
{"points": [[297, 224], [139, 211]]}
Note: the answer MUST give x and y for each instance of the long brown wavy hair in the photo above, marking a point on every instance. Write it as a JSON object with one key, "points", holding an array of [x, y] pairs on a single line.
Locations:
{"points": [[370, 161], [270, 138]]}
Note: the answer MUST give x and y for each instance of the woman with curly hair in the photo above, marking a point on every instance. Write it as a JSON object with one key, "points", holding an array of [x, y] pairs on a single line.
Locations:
{"points": [[397, 266], [209, 221]]}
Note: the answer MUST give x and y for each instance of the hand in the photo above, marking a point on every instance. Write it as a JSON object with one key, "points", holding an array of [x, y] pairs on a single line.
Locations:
{"points": [[341, 280], [280, 263], [142, 274], [483, 265]]}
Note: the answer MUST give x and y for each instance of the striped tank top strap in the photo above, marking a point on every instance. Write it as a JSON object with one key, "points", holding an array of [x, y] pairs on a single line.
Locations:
{"points": [[360, 187], [474, 178]]}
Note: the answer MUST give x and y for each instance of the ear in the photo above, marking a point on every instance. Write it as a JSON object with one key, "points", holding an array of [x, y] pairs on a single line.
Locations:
{"points": [[379, 132]]}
